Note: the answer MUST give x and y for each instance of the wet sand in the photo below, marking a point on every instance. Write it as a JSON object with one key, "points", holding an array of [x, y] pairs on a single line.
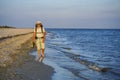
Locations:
{"points": [[15, 61]]}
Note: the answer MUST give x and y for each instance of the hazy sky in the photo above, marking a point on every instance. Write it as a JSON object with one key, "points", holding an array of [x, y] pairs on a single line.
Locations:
{"points": [[61, 13]]}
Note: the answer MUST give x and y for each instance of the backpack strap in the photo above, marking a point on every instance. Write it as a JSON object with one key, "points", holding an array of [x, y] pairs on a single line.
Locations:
{"points": [[36, 30], [42, 28]]}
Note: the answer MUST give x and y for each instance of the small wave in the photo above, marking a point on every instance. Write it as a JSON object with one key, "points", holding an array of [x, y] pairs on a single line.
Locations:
{"points": [[51, 35], [77, 58], [67, 48], [90, 65]]}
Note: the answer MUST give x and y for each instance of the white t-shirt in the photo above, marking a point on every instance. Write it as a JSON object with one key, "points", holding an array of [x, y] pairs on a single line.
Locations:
{"points": [[39, 32]]}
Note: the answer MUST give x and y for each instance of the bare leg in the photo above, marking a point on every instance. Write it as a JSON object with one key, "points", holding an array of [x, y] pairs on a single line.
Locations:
{"points": [[43, 55], [39, 54]]}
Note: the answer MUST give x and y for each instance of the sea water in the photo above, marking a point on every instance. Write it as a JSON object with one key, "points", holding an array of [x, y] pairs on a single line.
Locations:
{"points": [[83, 54]]}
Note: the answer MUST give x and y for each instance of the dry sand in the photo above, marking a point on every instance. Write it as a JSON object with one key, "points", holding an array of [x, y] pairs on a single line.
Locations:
{"points": [[10, 32], [9, 46], [15, 62]]}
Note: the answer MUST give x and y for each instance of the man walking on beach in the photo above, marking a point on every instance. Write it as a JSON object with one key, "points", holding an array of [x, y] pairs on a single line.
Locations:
{"points": [[38, 38]]}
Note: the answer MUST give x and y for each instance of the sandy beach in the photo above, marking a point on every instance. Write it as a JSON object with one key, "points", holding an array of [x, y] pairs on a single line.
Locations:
{"points": [[15, 62]]}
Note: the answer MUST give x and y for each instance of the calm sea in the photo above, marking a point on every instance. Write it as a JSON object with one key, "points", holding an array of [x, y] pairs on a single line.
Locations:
{"points": [[83, 54]]}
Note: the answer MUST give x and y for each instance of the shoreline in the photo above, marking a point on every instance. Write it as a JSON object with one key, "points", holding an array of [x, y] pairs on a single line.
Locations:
{"points": [[20, 64]]}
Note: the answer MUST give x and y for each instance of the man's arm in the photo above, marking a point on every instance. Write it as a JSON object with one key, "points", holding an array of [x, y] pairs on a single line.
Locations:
{"points": [[44, 34], [33, 37]]}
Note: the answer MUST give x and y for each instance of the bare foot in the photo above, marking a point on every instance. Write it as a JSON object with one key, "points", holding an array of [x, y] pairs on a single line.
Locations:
{"points": [[41, 59], [38, 58]]}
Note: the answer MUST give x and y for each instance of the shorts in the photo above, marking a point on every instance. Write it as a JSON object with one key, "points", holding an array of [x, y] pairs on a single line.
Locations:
{"points": [[40, 44]]}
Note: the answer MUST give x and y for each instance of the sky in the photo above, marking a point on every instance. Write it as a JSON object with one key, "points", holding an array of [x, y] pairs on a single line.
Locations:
{"points": [[61, 13]]}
